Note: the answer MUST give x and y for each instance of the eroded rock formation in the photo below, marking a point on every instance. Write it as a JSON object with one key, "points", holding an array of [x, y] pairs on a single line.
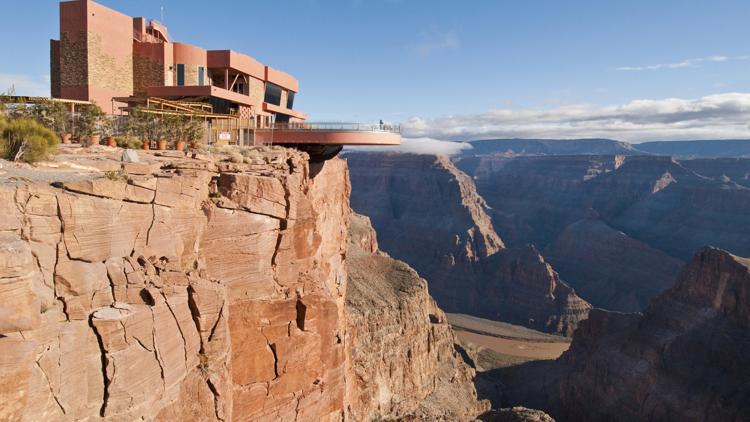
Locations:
{"points": [[194, 290], [664, 206], [428, 214], [683, 359], [403, 361]]}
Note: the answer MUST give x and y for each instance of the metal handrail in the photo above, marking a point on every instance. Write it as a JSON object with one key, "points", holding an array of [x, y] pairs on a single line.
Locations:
{"points": [[339, 126]]}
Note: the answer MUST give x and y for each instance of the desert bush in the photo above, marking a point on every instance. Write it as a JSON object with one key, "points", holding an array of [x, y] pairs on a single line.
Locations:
{"points": [[224, 149], [27, 140], [249, 152], [200, 148], [129, 141], [236, 158], [116, 175]]}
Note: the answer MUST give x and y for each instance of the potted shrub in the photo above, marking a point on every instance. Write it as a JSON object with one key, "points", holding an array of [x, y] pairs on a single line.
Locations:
{"points": [[140, 123], [194, 132], [89, 124], [161, 130], [169, 127], [55, 116], [106, 127], [179, 131]]}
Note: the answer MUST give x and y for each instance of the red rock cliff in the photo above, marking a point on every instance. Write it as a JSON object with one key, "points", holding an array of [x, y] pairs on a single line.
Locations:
{"points": [[192, 291], [403, 363]]}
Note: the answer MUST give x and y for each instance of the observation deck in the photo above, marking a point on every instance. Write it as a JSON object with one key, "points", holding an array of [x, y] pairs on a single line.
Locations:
{"points": [[329, 133]]}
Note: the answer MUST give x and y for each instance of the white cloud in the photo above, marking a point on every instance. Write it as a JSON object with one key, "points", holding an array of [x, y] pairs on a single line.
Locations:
{"points": [[30, 85], [684, 63], [427, 146], [431, 44], [720, 116]]}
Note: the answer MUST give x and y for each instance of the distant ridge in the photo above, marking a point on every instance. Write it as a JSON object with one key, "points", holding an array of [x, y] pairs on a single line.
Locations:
{"points": [[698, 148], [516, 147], [739, 148]]}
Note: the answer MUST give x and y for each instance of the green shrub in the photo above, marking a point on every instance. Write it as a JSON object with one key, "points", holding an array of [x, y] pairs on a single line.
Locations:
{"points": [[90, 120], [199, 148], [54, 115], [129, 142], [27, 140]]}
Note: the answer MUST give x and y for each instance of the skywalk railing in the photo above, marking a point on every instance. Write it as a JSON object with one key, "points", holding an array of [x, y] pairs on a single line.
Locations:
{"points": [[336, 126]]}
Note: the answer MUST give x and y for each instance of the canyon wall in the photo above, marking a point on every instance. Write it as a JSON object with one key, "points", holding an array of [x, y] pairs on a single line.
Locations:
{"points": [[609, 267], [428, 213], [178, 290], [656, 211], [683, 359], [402, 356]]}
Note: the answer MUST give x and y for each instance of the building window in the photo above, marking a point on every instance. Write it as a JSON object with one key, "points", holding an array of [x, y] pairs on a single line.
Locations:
{"points": [[201, 75], [281, 118], [290, 100], [273, 94], [180, 74]]}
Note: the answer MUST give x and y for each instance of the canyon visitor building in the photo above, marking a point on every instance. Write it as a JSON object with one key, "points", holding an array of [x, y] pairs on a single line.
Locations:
{"points": [[120, 62]]}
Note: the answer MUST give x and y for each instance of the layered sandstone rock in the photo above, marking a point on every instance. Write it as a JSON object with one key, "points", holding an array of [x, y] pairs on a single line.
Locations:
{"points": [[428, 213], [683, 359], [402, 356], [188, 290]]}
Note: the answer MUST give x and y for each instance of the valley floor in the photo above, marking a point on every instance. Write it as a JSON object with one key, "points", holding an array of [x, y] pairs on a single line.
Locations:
{"points": [[494, 344]]}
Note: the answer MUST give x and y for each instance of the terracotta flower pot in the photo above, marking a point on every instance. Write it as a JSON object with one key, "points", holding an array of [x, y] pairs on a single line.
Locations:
{"points": [[66, 138], [161, 145], [111, 142], [96, 139], [146, 144], [179, 145]]}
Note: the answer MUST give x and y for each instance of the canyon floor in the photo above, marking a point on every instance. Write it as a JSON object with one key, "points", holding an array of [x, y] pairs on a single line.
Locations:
{"points": [[498, 344]]}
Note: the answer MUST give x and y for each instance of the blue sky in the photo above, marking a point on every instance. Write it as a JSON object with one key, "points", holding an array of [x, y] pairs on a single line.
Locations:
{"points": [[422, 61]]}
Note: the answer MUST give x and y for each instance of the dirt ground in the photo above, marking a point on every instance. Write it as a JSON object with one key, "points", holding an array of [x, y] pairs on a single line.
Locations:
{"points": [[493, 344]]}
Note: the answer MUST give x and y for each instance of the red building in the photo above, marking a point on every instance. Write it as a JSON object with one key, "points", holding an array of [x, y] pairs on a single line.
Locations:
{"points": [[103, 54], [115, 60]]}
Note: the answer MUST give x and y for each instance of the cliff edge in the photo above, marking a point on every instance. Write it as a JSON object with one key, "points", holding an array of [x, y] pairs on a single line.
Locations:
{"points": [[403, 360], [173, 288]]}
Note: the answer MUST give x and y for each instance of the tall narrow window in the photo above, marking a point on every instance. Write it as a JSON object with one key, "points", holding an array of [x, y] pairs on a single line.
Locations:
{"points": [[180, 74], [290, 100], [201, 75], [273, 94]]}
